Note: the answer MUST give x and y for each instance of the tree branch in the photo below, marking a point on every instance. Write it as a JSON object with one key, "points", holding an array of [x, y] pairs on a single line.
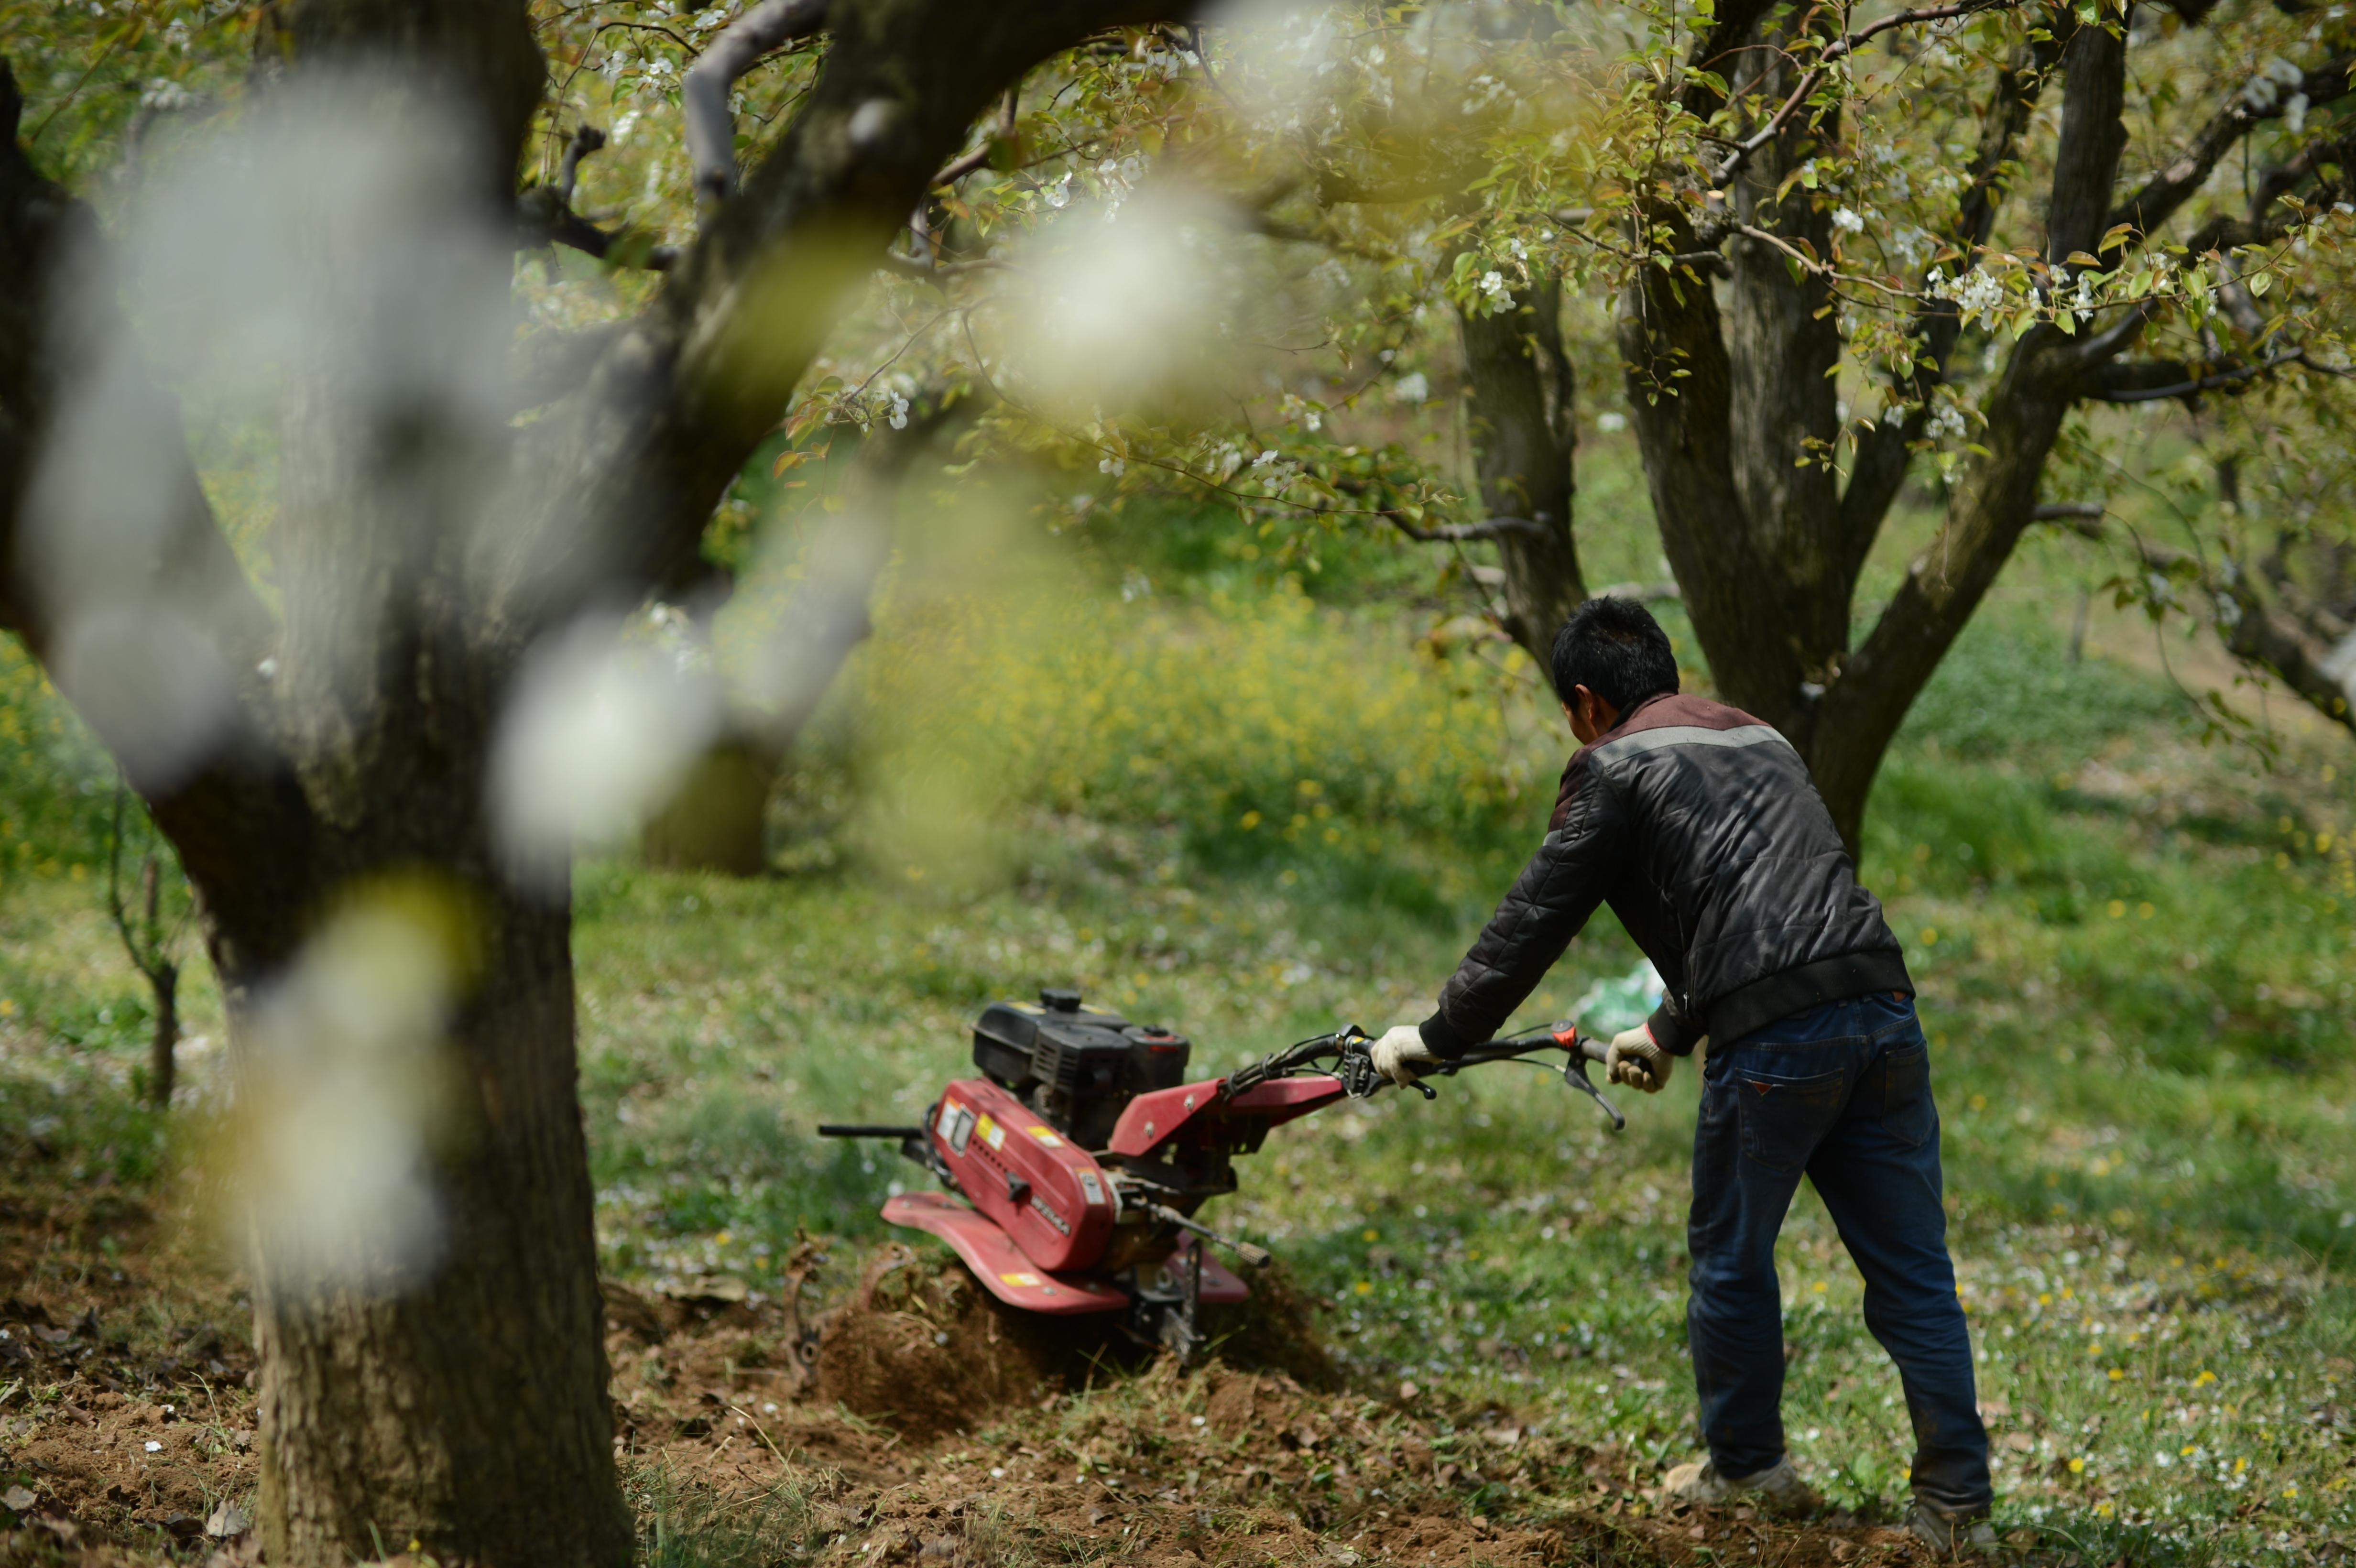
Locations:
{"points": [[2314, 656], [2064, 511], [2163, 193], [233, 809], [585, 139], [1813, 77], [544, 216], [1885, 452], [703, 90], [2152, 382], [636, 462], [1488, 528], [978, 158]]}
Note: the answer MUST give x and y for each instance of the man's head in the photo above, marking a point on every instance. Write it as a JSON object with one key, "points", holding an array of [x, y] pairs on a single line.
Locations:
{"points": [[1609, 656]]}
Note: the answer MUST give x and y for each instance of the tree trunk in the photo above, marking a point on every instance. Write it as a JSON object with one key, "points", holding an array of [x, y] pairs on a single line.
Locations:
{"points": [[1524, 437], [1995, 500], [719, 819], [467, 1411], [1735, 416], [452, 1395], [162, 1043]]}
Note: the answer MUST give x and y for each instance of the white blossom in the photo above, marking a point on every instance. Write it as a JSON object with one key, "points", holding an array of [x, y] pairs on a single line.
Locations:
{"points": [[165, 94], [1977, 296], [1493, 283], [2264, 91], [1848, 222]]}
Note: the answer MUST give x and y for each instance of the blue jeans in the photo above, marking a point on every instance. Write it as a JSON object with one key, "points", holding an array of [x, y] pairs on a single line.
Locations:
{"points": [[1842, 1094]]}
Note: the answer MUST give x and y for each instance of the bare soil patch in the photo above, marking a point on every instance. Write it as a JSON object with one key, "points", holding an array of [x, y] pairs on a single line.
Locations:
{"points": [[126, 1417], [915, 1421]]}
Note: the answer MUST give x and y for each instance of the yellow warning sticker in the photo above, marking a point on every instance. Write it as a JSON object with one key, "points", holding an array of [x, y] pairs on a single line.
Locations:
{"points": [[1047, 1137], [1021, 1279], [991, 1132]]}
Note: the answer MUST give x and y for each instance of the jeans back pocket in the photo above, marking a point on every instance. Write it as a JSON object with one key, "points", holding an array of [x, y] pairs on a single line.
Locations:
{"points": [[1784, 1119], [1907, 1114]]}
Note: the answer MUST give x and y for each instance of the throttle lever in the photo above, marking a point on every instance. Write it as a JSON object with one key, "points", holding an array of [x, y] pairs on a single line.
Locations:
{"points": [[1584, 1049]]}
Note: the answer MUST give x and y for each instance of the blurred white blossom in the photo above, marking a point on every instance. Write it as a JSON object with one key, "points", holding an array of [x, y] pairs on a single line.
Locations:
{"points": [[596, 734]]}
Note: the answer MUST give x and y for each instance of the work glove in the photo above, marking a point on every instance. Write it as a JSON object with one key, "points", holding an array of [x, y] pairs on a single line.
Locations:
{"points": [[1398, 1054], [1635, 1061]]}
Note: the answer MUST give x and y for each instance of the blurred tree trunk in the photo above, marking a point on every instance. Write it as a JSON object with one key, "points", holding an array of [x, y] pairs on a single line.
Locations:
{"points": [[461, 1404], [719, 819], [163, 1044], [468, 1410]]}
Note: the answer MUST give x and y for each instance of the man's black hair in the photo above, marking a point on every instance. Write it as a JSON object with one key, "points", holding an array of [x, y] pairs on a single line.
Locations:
{"points": [[1615, 649]]}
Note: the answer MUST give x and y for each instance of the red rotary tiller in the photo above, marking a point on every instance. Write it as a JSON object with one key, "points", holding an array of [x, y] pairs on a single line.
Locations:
{"points": [[1075, 1162]]}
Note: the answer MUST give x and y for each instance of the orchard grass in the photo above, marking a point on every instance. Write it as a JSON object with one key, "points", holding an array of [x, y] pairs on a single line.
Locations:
{"points": [[2133, 955], [2148, 1233]]}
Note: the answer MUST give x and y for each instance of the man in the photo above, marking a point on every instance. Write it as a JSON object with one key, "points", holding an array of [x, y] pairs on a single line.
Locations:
{"points": [[1698, 825]]}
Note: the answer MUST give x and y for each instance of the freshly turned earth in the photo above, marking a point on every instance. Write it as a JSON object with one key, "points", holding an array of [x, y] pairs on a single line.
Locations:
{"points": [[915, 1419]]}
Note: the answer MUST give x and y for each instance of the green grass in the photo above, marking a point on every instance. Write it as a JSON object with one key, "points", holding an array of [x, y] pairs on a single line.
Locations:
{"points": [[2128, 1218], [2134, 954]]}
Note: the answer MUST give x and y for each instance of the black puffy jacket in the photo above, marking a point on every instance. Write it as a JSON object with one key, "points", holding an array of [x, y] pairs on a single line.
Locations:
{"points": [[1700, 827]]}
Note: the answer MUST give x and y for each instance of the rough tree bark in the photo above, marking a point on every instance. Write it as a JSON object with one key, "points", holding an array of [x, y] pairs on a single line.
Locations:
{"points": [[1733, 409], [466, 1410], [1525, 441]]}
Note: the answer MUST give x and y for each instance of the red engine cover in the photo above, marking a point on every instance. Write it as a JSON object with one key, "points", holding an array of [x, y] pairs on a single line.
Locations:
{"points": [[1037, 1184]]}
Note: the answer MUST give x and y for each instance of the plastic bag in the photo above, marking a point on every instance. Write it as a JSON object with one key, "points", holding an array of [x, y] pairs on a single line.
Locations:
{"points": [[1607, 1006]]}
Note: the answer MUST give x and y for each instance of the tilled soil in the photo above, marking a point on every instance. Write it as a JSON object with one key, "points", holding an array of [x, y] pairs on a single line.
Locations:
{"points": [[933, 1427], [126, 1420], [915, 1421]]}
